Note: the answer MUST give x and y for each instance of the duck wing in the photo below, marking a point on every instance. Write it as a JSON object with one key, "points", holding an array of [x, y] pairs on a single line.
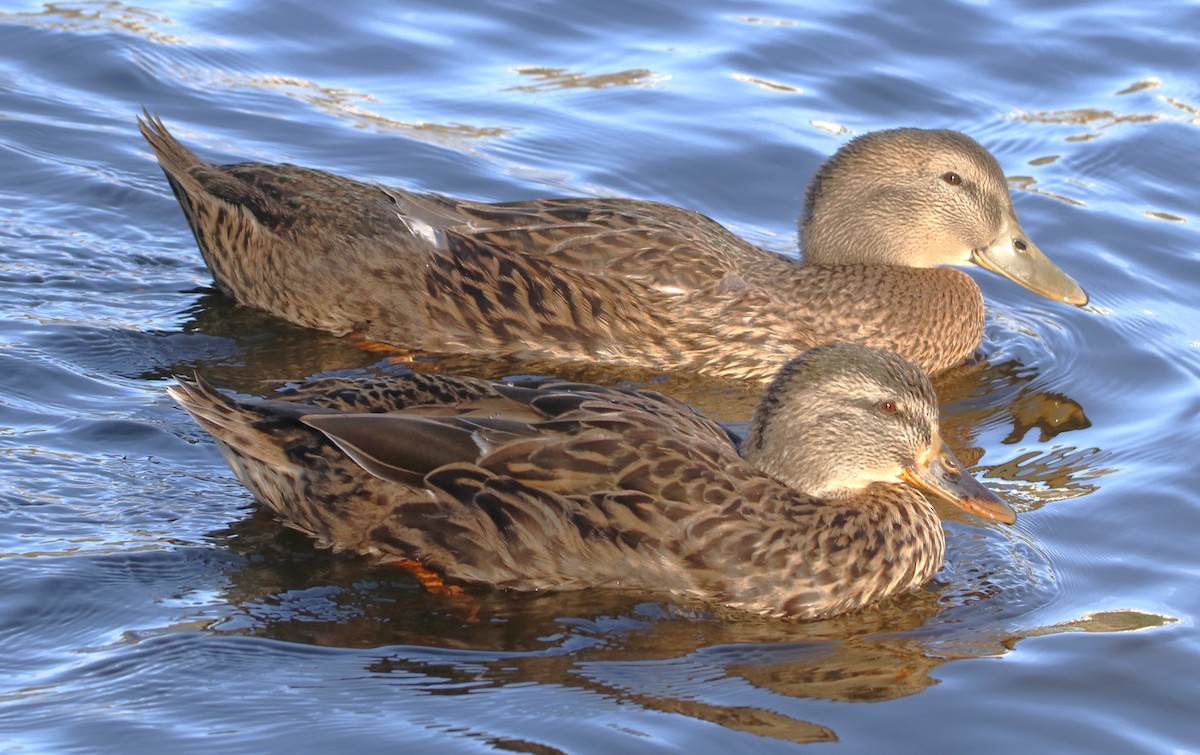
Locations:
{"points": [[596, 492], [665, 248], [555, 434]]}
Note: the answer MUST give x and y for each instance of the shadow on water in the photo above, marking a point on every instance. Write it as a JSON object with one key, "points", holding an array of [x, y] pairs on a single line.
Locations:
{"points": [[658, 656], [1008, 394]]}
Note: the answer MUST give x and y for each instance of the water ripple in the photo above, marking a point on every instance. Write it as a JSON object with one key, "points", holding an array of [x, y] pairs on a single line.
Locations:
{"points": [[143, 606]]}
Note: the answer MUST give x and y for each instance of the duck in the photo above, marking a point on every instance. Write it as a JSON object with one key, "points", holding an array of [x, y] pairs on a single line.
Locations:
{"points": [[548, 485], [624, 282]]}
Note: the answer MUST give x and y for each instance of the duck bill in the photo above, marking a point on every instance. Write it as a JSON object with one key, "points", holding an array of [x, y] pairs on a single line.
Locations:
{"points": [[1017, 258], [941, 474]]}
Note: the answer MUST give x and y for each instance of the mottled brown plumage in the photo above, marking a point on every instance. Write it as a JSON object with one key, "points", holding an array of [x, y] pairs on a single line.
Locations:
{"points": [[623, 281], [558, 486]]}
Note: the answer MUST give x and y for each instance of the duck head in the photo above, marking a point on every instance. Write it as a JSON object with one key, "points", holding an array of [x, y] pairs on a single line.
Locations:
{"points": [[923, 198], [842, 417]]}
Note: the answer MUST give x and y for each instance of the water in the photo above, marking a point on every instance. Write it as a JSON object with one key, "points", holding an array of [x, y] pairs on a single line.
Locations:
{"points": [[144, 604]]}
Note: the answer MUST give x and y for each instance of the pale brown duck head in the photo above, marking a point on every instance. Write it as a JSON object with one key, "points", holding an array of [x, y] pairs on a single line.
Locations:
{"points": [[843, 417], [923, 198]]}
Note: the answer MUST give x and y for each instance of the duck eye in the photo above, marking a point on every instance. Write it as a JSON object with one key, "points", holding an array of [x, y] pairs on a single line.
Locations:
{"points": [[952, 178], [888, 407]]}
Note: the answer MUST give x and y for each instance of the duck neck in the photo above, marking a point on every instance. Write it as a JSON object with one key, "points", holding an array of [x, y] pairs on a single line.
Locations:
{"points": [[933, 316]]}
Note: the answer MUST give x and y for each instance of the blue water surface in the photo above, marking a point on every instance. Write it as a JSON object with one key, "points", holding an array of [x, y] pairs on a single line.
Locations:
{"points": [[145, 606]]}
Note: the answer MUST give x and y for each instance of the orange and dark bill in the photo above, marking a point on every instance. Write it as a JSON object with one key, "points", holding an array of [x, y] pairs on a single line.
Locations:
{"points": [[943, 475]]}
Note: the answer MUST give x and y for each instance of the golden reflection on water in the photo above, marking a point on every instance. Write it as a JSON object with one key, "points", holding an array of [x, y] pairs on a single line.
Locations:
{"points": [[1150, 83], [1049, 412], [774, 86], [348, 104], [1192, 112], [1098, 120], [551, 79], [672, 659], [104, 16], [341, 102], [1029, 184], [1164, 216]]}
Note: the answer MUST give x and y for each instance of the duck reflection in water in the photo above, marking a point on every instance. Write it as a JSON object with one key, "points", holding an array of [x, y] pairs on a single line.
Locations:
{"points": [[651, 655]]}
